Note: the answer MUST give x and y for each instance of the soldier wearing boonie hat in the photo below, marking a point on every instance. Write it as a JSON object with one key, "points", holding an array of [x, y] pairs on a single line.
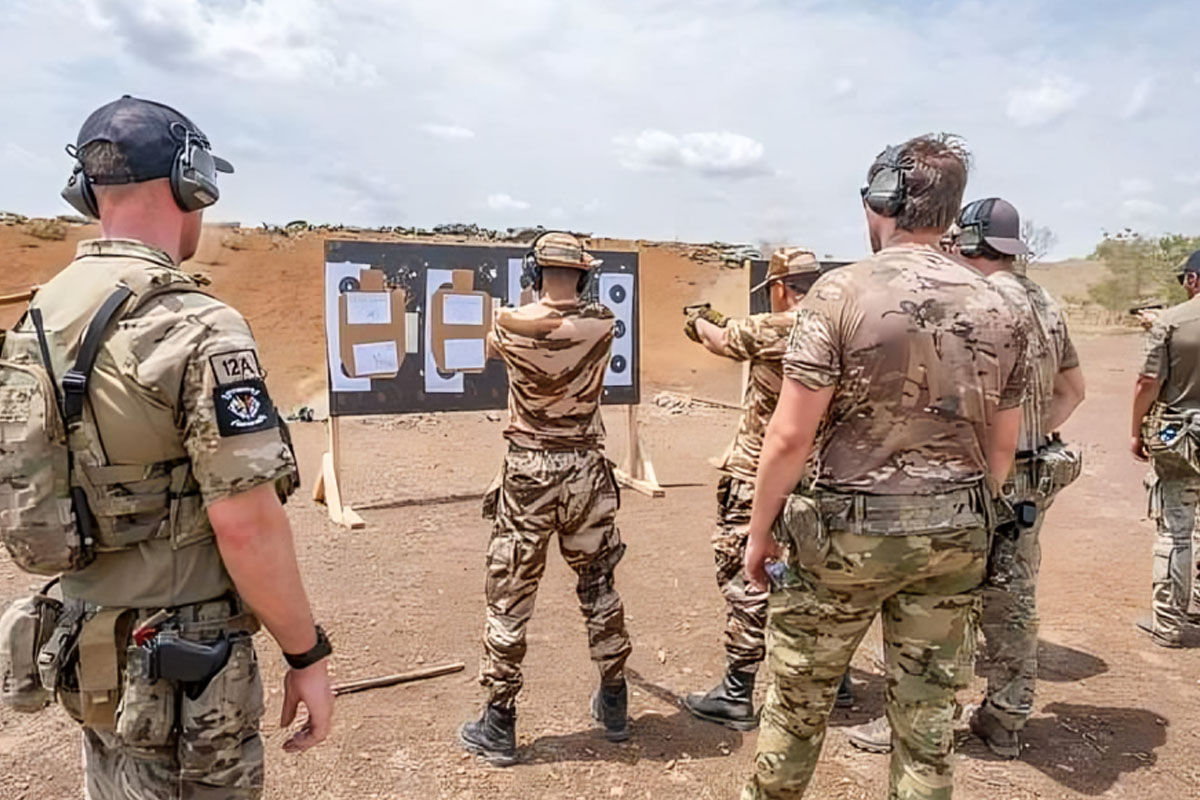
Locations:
{"points": [[760, 340], [555, 480]]}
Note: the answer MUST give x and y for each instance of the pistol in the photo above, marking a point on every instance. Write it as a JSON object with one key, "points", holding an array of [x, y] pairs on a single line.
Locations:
{"points": [[1136, 310], [174, 659]]}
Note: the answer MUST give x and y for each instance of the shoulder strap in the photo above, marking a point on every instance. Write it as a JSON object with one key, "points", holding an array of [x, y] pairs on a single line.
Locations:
{"points": [[35, 316], [75, 381]]}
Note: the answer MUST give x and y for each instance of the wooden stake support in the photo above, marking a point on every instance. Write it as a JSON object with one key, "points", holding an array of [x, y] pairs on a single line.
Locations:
{"points": [[328, 490], [637, 471]]}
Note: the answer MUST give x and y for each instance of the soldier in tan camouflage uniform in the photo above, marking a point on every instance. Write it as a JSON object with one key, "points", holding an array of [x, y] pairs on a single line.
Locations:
{"points": [[555, 479], [1165, 405], [987, 236], [760, 339], [187, 464], [911, 361]]}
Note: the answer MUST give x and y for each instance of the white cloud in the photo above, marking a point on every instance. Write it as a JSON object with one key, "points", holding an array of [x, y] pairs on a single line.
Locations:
{"points": [[503, 202], [1188, 178], [14, 155], [1073, 205], [712, 153], [843, 86], [448, 132], [591, 206], [1191, 209], [1139, 209], [1044, 102], [282, 40], [1139, 99], [1136, 186]]}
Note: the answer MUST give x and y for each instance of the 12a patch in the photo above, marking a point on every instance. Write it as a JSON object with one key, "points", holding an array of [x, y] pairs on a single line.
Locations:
{"points": [[244, 407], [237, 365]]}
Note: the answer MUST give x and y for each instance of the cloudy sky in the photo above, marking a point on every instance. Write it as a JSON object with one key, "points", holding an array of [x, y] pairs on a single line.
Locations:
{"points": [[737, 120]]}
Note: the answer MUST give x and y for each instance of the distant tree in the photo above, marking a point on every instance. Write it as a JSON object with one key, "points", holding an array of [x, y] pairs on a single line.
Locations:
{"points": [[1141, 269], [1039, 239]]}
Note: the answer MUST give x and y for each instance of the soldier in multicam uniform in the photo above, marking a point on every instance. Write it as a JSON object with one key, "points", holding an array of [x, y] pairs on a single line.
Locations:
{"points": [[909, 364], [555, 479], [987, 236], [760, 339], [190, 464], [1165, 405]]}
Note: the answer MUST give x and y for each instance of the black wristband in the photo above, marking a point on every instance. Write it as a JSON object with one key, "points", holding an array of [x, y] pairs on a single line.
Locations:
{"points": [[319, 650]]}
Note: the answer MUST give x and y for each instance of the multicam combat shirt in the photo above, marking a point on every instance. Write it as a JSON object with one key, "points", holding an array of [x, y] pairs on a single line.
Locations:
{"points": [[179, 379], [762, 340], [1048, 352], [556, 355], [921, 351]]}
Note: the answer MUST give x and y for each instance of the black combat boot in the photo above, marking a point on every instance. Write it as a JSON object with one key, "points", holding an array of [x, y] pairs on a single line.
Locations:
{"points": [[730, 703], [494, 736], [845, 695], [610, 707]]}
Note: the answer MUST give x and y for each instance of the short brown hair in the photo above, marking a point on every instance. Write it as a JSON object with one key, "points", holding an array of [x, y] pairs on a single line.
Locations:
{"points": [[935, 173], [103, 162]]}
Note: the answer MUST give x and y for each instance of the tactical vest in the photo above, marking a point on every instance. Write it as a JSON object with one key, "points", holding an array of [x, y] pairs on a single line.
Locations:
{"points": [[59, 480]]}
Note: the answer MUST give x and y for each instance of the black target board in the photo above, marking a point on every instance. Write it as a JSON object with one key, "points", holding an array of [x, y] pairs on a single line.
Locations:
{"points": [[406, 322]]}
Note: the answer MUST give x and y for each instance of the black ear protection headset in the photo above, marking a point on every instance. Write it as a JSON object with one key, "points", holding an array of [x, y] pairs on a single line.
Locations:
{"points": [[887, 190], [193, 175], [531, 271], [972, 222]]}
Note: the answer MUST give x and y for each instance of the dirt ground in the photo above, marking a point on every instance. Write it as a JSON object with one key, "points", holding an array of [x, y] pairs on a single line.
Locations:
{"points": [[1116, 716]]}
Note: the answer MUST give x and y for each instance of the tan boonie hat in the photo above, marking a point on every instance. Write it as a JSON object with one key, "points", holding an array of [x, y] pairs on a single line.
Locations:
{"points": [[788, 261], [562, 250]]}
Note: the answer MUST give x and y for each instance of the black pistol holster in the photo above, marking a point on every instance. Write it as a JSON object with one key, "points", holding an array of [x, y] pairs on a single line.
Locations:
{"points": [[191, 664]]}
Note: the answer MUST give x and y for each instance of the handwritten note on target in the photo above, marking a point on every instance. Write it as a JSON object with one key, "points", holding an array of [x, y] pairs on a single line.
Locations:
{"points": [[368, 308], [376, 358]]}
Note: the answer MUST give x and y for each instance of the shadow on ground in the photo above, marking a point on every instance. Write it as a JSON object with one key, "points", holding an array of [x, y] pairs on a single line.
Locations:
{"points": [[1058, 663], [654, 737], [1085, 748]]}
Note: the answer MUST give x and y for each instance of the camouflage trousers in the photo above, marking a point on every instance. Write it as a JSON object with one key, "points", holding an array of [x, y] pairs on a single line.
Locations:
{"points": [[1176, 572], [745, 609], [169, 745], [543, 492], [927, 589], [1010, 617]]}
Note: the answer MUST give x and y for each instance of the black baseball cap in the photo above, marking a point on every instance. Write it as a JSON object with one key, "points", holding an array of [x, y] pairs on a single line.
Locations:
{"points": [[998, 222], [147, 133], [1192, 264]]}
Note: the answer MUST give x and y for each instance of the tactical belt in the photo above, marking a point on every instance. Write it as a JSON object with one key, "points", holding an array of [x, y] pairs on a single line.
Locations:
{"points": [[906, 514]]}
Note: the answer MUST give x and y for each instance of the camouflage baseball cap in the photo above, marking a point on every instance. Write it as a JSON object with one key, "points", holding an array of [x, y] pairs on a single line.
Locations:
{"points": [[789, 261], [562, 250]]}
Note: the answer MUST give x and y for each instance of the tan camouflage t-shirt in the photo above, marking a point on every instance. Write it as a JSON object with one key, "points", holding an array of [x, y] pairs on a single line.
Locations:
{"points": [[1048, 351], [179, 380], [1172, 355], [556, 356], [921, 351], [762, 340]]}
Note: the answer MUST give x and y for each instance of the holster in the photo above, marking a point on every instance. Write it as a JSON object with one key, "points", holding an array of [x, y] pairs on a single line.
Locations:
{"points": [[1171, 439]]}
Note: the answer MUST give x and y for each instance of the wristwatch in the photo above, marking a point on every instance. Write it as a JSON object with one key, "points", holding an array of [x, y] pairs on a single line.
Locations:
{"points": [[319, 650]]}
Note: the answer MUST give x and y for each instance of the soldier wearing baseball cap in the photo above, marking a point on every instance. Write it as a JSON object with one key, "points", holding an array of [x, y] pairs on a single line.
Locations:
{"points": [[760, 340], [1165, 401], [181, 462], [986, 235]]}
